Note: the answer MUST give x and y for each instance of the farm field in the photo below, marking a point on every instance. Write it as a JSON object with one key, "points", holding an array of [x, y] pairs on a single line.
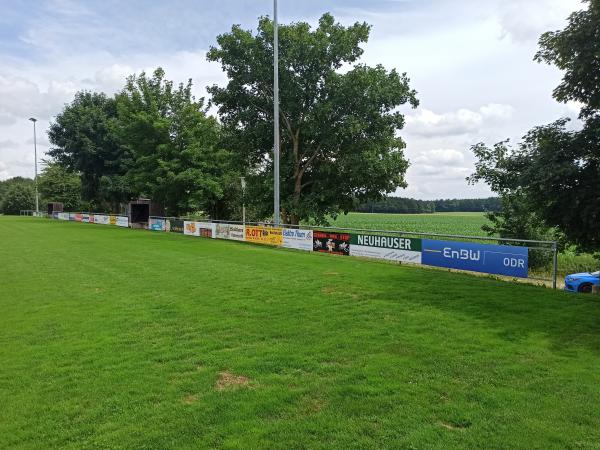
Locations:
{"points": [[118, 338], [465, 223], [468, 224]]}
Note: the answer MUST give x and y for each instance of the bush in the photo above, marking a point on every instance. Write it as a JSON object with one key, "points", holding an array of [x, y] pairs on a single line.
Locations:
{"points": [[17, 198]]}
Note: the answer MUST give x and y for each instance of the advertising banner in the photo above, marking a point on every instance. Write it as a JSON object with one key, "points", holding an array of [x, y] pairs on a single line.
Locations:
{"points": [[78, 217], [85, 218], [207, 229], [327, 242], [176, 225], [92, 218], [393, 248], [486, 258], [55, 215], [298, 239], [101, 219], [72, 216], [264, 235], [230, 231], [112, 220], [63, 216], [191, 228], [157, 224], [122, 221]]}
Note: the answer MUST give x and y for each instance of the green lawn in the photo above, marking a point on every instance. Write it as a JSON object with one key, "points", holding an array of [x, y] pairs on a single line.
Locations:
{"points": [[115, 338]]}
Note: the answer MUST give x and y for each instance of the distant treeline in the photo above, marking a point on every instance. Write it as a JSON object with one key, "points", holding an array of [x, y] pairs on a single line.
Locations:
{"points": [[399, 205]]}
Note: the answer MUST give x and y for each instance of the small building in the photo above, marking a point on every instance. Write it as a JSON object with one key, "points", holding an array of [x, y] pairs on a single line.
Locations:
{"points": [[55, 207]]}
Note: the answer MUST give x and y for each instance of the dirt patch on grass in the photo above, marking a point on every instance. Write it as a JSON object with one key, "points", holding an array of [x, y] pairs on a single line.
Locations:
{"points": [[331, 273], [228, 380], [190, 399], [328, 289]]}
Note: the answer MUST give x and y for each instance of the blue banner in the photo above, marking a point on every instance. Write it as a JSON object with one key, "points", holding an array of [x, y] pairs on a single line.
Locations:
{"points": [[494, 259]]}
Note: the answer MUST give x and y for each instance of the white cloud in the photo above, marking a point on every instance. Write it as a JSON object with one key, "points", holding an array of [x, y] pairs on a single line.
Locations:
{"points": [[463, 121]]}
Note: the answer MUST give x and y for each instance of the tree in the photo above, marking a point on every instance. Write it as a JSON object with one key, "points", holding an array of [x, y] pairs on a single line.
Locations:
{"points": [[553, 175], [178, 161], [6, 184], [339, 128], [18, 196], [57, 184], [84, 142]]}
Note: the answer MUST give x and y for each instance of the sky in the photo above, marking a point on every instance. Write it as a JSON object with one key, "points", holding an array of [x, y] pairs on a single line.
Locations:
{"points": [[471, 62]]}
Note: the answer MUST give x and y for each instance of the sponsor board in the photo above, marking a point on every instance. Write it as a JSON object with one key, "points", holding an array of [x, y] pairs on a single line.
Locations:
{"points": [[335, 243], [78, 217], [55, 215], [229, 231], [112, 220], [207, 229], [122, 221], [298, 239], [264, 235], [72, 216], [393, 248], [486, 258], [63, 216], [85, 218], [191, 228], [176, 226], [92, 218], [157, 224], [101, 219]]}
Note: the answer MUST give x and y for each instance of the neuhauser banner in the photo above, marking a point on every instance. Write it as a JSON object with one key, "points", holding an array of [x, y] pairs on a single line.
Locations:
{"points": [[393, 248], [298, 239], [486, 258], [230, 231], [265, 235]]}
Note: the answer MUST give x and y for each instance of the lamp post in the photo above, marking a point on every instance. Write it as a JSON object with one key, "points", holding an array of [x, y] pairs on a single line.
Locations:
{"points": [[276, 214], [37, 206], [243, 181]]}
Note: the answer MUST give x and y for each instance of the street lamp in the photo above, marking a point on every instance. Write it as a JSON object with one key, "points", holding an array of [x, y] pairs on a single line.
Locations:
{"points": [[243, 181], [37, 206], [276, 112]]}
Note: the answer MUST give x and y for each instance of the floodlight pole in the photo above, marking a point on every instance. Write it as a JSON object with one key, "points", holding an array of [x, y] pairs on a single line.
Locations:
{"points": [[243, 181], [276, 213], [37, 206]]}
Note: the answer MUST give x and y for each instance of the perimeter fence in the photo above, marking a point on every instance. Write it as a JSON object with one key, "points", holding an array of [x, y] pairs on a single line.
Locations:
{"points": [[504, 257]]}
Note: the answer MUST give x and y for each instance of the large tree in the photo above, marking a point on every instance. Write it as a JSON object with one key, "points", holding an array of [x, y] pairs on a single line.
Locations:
{"points": [[57, 184], [175, 145], [83, 141], [339, 119], [553, 175]]}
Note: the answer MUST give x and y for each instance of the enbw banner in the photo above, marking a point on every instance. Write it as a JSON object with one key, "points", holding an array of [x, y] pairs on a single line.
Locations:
{"points": [[486, 258]]}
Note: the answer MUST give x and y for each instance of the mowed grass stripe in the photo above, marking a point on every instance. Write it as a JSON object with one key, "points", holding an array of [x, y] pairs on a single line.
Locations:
{"points": [[115, 338]]}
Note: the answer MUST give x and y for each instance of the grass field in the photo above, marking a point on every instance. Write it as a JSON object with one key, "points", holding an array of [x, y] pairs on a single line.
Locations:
{"points": [[468, 224], [117, 338]]}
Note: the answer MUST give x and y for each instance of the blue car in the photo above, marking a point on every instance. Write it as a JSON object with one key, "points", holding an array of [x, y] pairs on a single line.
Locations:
{"points": [[581, 282]]}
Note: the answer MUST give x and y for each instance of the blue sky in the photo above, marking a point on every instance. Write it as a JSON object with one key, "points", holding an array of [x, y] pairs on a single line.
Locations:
{"points": [[470, 60]]}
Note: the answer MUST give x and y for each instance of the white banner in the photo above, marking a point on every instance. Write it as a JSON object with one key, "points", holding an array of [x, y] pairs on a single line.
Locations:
{"points": [[230, 231], [101, 219], [122, 221], [63, 216], [208, 229], [298, 239], [85, 218], [191, 228]]}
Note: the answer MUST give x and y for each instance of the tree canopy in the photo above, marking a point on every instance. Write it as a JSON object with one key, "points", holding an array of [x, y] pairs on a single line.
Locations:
{"points": [[553, 175], [339, 137]]}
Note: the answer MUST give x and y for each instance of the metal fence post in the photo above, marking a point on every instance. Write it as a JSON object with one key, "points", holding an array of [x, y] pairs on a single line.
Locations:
{"points": [[554, 264]]}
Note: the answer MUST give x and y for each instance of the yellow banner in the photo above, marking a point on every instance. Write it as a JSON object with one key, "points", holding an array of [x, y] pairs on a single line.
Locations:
{"points": [[264, 235], [112, 220]]}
